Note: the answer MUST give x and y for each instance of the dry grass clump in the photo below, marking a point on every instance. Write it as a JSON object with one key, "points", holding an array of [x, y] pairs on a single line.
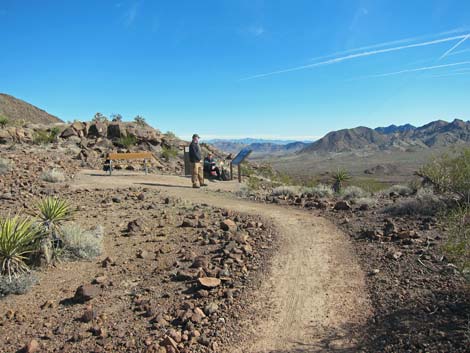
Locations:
{"points": [[319, 191], [425, 203], [353, 192], [16, 285], [365, 202], [402, 190], [289, 191], [53, 176], [78, 243], [6, 165]]}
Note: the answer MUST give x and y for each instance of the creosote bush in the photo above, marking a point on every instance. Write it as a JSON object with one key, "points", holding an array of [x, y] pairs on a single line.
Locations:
{"points": [[169, 152], [127, 141], [3, 121], [79, 243], [43, 137], [449, 174], [457, 246], [53, 176]]}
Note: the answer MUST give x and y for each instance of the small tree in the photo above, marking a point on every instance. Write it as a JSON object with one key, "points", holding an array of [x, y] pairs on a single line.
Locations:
{"points": [[339, 178], [116, 118], [99, 118], [3, 121], [140, 120]]}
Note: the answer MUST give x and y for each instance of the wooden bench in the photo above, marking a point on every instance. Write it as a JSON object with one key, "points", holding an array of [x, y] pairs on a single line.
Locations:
{"points": [[145, 156]]}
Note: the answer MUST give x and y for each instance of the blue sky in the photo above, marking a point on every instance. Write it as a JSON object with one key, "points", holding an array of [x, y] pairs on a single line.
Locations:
{"points": [[273, 69]]}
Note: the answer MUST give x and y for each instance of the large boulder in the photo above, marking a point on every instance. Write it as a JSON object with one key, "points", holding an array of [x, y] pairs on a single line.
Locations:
{"points": [[116, 130], [97, 130], [68, 132]]}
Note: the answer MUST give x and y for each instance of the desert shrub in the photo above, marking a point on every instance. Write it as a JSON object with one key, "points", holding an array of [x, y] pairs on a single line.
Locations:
{"points": [[402, 190], [19, 239], [79, 243], [339, 178], [3, 121], [127, 141], [169, 152], [17, 285], [289, 191], [449, 174], [253, 183], [319, 191], [457, 246], [6, 165], [170, 134], [140, 120], [424, 203], [43, 137], [53, 176], [367, 201], [244, 191], [353, 192], [116, 117]]}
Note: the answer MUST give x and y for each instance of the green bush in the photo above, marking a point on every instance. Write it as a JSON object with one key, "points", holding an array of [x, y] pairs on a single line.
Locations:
{"points": [[3, 121], [78, 243], [169, 152], [170, 134], [99, 118], [19, 239], [457, 246], [449, 174], [127, 141], [43, 137]]}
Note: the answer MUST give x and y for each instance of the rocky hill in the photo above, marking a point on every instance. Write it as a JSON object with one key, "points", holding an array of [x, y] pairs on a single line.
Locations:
{"points": [[16, 110], [435, 134], [260, 148]]}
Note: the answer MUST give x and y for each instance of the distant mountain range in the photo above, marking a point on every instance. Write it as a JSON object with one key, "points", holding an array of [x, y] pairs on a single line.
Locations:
{"points": [[259, 146], [15, 109], [435, 134]]}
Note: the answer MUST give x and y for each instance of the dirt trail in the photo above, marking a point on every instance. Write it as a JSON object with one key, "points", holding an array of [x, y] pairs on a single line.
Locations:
{"points": [[315, 294]]}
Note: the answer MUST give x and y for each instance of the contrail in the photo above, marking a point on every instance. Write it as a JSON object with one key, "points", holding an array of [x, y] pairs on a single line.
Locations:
{"points": [[421, 69], [451, 74], [358, 55], [454, 47]]}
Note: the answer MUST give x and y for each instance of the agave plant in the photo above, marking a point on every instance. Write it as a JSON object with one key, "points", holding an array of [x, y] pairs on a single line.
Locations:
{"points": [[19, 238], [339, 178], [52, 212]]}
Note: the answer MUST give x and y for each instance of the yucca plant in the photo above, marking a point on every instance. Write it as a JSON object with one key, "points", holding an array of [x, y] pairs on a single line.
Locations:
{"points": [[19, 238], [339, 178], [52, 213]]}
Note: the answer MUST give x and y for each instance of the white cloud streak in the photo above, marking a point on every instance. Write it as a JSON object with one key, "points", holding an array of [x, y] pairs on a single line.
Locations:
{"points": [[359, 55], [454, 47], [426, 68]]}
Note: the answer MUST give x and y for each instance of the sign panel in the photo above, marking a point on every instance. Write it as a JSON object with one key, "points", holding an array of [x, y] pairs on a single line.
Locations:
{"points": [[241, 156]]}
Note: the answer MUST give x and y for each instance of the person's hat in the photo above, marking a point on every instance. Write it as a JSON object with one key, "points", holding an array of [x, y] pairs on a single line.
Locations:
{"points": [[196, 135]]}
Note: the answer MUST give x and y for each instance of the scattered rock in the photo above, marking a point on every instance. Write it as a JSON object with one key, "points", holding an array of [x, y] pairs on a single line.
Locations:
{"points": [[209, 282], [86, 292]]}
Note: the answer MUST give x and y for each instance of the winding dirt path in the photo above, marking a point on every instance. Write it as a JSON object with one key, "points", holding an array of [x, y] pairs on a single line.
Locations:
{"points": [[315, 294]]}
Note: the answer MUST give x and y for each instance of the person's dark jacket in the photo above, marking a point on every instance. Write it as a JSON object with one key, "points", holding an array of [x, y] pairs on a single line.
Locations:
{"points": [[194, 153]]}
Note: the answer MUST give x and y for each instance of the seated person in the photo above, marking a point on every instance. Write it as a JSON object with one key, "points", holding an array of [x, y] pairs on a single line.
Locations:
{"points": [[210, 166]]}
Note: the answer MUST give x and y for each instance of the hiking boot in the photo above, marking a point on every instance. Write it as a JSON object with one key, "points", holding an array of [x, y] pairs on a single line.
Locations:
{"points": [[203, 184], [195, 186]]}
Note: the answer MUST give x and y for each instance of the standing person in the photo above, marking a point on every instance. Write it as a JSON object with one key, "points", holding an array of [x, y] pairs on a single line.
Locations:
{"points": [[195, 157]]}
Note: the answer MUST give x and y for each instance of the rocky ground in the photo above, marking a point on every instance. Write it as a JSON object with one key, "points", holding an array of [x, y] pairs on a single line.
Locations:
{"points": [[174, 277], [421, 303]]}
